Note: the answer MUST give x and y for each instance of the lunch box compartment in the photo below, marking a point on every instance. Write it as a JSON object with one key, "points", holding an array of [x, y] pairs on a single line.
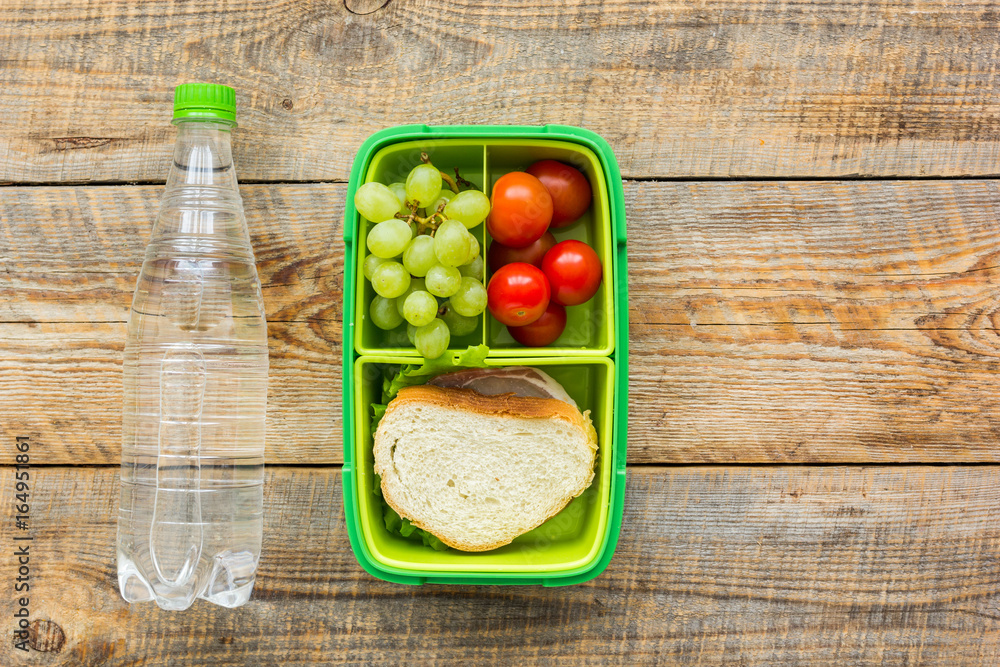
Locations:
{"points": [[389, 165], [568, 543], [589, 326]]}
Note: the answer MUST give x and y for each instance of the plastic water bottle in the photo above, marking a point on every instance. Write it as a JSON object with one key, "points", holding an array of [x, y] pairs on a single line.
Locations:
{"points": [[195, 379]]}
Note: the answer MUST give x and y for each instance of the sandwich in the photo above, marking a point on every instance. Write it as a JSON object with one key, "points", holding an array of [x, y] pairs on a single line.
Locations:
{"points": [[481, 456]]}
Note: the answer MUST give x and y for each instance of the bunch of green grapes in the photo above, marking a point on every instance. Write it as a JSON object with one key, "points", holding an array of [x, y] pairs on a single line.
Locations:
{"points": [[425, 266]]}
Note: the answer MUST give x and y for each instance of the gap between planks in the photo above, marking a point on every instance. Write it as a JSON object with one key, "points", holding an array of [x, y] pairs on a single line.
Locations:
{"points": [[642, 464], [634, 179]]}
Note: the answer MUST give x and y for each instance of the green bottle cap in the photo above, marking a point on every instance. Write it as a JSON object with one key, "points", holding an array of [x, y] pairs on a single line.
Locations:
{"points": [[205, 101]]}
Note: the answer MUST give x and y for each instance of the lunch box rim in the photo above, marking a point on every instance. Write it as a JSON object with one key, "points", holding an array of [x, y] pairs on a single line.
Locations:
{"points": [[618, 355]]}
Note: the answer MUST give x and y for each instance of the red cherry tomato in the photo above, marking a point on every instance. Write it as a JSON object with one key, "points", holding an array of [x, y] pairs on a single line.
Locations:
{"points": [[521, 210], [544, 330], [569, 188], [518, 294], [574, 272], [500, 255]]}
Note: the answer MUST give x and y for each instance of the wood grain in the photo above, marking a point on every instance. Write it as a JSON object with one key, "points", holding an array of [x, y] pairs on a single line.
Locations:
{"points": [[760, 566], [800, 322], [61, 384], [73, 254], [815, 322], [710, 89], [69, 258]]}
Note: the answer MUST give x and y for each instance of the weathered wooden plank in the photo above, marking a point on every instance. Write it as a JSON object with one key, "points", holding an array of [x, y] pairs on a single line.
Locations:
{"points": [[759, 566], [712, 89], [73, 254], [815, 322], [836, 322], [61, 384]]}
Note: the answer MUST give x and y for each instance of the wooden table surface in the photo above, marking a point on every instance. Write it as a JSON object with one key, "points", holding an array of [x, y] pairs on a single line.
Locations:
{"points": [[814, 284]]}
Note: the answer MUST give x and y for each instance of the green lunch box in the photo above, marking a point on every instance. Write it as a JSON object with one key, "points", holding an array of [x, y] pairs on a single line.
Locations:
{"points": [[590, 359]]}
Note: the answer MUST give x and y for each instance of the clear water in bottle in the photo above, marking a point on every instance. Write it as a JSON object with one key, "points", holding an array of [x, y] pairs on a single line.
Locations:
{"points": [[195, 380]]}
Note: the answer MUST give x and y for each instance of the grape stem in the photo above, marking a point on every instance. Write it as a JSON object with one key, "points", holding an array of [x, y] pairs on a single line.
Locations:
{"points": [[462, 181], [426, 159], [450, 181], [431, 222]]}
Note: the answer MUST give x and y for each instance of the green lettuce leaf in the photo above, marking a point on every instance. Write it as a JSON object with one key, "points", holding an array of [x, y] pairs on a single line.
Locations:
{"points": [[408, 376], [378, 410], [396, 524], [394, 379]]}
